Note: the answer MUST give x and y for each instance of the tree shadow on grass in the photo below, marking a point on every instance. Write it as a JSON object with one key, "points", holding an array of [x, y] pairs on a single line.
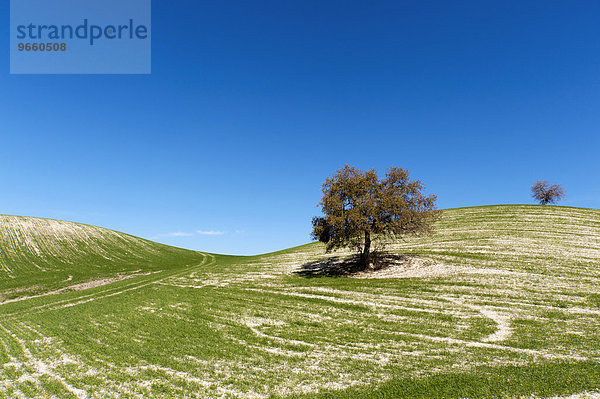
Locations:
{"points": [[346, 266], [336, 266]]}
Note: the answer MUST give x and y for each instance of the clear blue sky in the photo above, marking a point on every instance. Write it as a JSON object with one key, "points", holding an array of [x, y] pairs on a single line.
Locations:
{"points": [[252, 104]]}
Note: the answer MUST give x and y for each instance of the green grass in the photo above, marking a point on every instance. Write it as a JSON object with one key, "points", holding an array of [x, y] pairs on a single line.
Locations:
{"points": [[542, 379], [502, 301], [41, 255]]}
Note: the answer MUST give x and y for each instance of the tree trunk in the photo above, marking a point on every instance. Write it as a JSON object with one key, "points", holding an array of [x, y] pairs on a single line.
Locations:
{"points": [[365, 256]]}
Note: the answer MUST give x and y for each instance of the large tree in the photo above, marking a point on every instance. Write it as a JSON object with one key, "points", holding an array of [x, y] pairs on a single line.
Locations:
{"points": [[546, 193], [359, 207]]}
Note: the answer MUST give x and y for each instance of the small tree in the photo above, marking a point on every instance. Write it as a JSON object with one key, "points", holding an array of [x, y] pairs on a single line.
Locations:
{"points": [[546, 193], [359, 207]]}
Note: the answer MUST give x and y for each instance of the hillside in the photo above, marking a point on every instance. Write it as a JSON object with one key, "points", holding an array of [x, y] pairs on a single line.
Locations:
{"points": [[38, 255], [502, 301]]}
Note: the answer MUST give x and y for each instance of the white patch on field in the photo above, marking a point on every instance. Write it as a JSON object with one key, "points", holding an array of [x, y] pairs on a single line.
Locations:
{"points": [[582, 395], [502, 320], [42, 367], [261, 321]]}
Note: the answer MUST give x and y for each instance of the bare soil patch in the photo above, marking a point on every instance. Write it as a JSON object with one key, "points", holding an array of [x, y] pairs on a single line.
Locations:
{"points": [[79, 286], [383, 266]]}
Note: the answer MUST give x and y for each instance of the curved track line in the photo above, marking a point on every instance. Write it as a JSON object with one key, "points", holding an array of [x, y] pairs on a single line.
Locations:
{"points": [[503, 330], [109, 290]]}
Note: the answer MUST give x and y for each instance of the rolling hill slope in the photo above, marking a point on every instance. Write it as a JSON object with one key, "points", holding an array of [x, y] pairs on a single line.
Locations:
{"points": [[502, 301], [39, 255]]}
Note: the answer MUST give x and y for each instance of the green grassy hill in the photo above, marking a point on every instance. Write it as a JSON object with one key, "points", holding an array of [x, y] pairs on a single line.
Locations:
{"points": [[39, 255], [503, 301]]}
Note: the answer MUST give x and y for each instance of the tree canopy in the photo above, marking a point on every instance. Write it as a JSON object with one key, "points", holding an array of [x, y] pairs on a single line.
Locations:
{"points": [[359, 207], [546, 193]]}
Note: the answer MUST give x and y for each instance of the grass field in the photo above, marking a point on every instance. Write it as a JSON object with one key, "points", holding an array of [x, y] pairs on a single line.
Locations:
{"points": [[502, 301]]}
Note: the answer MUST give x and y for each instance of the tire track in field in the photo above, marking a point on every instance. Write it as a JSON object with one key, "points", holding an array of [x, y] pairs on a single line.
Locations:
{"points": [[15, 346], [109, 290], [38, 366], [491, 341]]}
